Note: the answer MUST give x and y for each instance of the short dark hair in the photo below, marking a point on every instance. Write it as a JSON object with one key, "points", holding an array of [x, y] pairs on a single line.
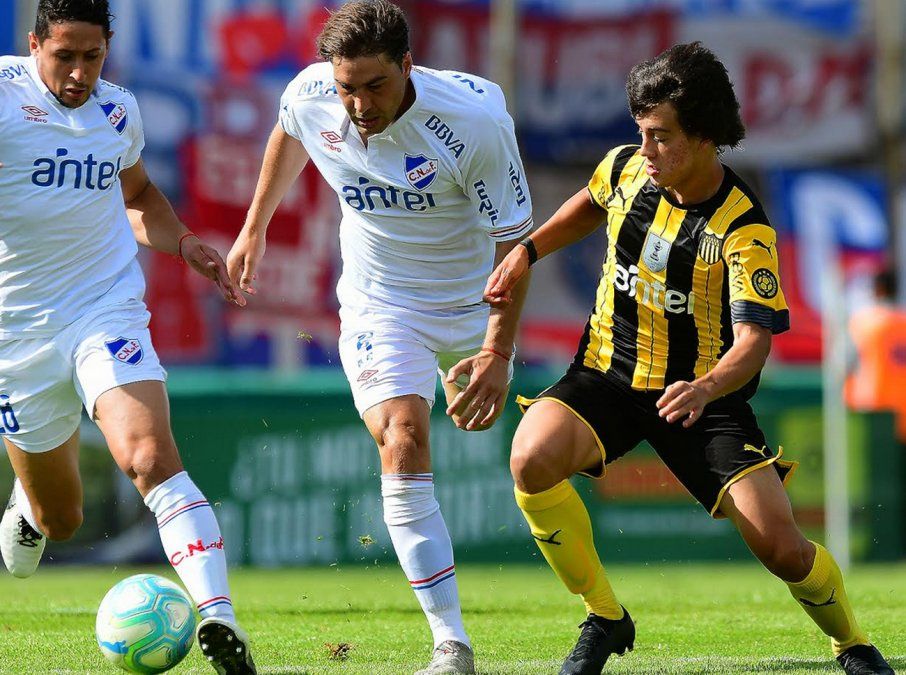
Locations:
{"points": [[697, 84], [365, 28], [63, 11]]}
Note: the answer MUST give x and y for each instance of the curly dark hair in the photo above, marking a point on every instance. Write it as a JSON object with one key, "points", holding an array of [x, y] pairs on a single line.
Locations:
{"points": [[697, 84], [365, 28], [62, 11]]}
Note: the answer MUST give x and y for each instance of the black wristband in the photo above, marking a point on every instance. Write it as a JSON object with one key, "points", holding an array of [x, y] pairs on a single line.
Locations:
{"points": [[532, 251]]}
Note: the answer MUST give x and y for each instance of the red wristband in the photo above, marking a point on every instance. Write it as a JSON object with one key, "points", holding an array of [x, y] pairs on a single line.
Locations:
{"points": [[496, 353], [183, 238]]}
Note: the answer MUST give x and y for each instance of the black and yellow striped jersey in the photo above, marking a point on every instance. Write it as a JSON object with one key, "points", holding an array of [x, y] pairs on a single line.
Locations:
{"points": [[676, 277]]}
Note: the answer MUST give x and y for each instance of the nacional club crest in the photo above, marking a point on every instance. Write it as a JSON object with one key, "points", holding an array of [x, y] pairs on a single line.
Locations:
{"points": [[125, 350], [116, 115], [420, 171], [657, 250], [709, 248]]}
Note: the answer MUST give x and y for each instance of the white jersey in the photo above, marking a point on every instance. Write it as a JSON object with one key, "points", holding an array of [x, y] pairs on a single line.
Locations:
{"points": [[64, 235], [424, 203]]}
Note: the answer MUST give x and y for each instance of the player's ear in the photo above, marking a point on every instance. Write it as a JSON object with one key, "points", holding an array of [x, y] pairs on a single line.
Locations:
{"points": [[406, 65], [33, 42]]}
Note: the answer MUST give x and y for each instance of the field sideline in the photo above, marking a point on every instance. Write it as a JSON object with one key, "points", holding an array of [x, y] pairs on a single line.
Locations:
{"points": [[725, 619]]}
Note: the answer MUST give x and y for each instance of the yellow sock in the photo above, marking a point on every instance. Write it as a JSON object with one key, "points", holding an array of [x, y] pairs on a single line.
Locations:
{"points": [[562, 529], [822, 595]]}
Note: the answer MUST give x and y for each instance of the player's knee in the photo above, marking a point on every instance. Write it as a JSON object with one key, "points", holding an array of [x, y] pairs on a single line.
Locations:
{"points": [[60, 524], [785, 556], [401, 443], [153, 461], [532, 469]]}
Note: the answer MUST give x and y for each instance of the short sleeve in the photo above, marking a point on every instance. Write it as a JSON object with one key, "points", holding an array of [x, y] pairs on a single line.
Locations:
{"points": [[136, 131], [600, 187], [750, 253], [495, 183], [287, 116]]}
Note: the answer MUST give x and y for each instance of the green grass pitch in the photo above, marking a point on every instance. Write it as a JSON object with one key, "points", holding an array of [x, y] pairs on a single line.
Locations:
{"points": [[725, 619]]}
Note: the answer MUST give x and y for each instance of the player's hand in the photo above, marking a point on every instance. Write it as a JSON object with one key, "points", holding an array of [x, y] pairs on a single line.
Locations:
{"points": [[243, 259], [206, 261], [481, 401], [497, 292], [683, 401]]}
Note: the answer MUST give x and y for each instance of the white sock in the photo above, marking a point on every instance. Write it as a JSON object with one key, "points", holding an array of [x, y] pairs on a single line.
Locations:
{"points": [[423, 546], [191, 538], [24, 506]]}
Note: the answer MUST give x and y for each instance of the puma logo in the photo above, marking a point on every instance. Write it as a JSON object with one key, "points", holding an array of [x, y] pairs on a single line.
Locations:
{"points": [[829, 601], [618, 192], [761, 244], [550, 540]]}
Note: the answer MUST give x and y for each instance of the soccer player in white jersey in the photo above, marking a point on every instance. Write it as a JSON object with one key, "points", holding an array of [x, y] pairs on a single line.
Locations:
{"points": [[432, 192], [73, 327]]}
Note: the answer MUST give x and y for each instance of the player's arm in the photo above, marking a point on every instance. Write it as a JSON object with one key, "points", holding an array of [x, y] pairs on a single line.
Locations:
{"points": [[686, 400], [284, 159], [758, 311], [578, 217], [156, 225]]}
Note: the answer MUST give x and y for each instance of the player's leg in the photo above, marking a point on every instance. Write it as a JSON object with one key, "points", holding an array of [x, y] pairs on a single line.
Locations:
{"points": [[393, 375], [46, 503], [416, 525], [759, 507], [550, 445], [39, 420], [120, 380], [135, 421], [575, 426]]}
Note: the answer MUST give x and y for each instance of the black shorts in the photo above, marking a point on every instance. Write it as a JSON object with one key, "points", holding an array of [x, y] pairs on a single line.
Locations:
{"points": [[722, 446]]}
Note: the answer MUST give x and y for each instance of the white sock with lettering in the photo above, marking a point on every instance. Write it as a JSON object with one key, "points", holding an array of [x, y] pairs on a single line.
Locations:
{"points": [[24, 506], [423, 546], [191, 538]]}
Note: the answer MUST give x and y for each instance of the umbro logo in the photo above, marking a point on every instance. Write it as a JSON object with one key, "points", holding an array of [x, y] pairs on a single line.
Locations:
{"points": [[331, 137], [829, 601], [35, 114], [550, 539]]}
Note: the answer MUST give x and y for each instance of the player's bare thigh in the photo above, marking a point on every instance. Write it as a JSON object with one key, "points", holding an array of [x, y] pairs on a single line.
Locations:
{"points": [[135, 421], [400, 427], [53, 486], [550, 445]]}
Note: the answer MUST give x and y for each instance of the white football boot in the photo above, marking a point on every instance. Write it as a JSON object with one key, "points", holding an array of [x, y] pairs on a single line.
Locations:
{"points": [[20, 544], [451, 658], [226, 646]]}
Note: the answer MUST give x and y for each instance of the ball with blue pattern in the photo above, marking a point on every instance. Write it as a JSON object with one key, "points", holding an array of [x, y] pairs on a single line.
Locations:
{"points": [[145, 624]]}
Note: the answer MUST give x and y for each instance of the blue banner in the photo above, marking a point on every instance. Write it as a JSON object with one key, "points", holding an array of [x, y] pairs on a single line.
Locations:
{"points": [[7, 27]]}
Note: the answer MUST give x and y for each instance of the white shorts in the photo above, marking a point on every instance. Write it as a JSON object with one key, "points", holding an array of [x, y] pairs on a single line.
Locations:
{"points": [[45, 381], [388, 353]]}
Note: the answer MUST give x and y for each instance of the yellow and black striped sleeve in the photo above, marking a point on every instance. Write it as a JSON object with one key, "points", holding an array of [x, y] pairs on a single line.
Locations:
{"points": [[750, 253], [607, 175]]}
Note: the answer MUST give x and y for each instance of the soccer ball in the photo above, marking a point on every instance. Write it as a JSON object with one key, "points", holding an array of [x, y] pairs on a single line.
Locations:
{"points": [[145, 624]]}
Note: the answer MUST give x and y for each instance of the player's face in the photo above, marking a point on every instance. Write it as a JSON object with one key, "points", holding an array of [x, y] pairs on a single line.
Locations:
{"points": [[674, 157], [372, 89], [70, 59]]}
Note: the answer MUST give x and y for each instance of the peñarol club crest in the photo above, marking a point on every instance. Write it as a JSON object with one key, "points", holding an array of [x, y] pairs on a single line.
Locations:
{"points": [[709, 248]]}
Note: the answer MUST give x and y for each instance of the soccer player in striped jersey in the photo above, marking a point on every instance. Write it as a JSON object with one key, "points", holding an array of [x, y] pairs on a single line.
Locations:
{"points": [[432, 194], [687, 303], [73, 326]]}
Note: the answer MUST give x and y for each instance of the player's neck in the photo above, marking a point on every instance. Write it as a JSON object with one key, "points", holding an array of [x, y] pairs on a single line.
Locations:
{"points": [[701, 185]]}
